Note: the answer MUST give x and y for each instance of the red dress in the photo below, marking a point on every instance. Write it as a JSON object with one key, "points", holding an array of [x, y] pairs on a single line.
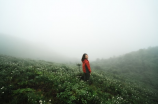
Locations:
{"points": [[84, 64]]}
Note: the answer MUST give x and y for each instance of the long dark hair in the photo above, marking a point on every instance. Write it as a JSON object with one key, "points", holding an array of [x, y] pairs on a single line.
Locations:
{"points": [[83, 57]]}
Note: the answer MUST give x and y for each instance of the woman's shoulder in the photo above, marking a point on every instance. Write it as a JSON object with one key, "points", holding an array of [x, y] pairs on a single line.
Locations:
{"points": [[85, 60]]}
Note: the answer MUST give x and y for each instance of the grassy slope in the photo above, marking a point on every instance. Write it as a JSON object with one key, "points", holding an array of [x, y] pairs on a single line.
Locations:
{"points": [[139, 67], [25, 81]]}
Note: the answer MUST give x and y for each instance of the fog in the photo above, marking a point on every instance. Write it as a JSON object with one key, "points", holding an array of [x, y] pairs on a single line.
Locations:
{"points": [[63, 30]]}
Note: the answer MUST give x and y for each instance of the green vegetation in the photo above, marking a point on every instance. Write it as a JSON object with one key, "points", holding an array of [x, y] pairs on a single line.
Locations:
{"points": [[116, 80], [139, 67]]}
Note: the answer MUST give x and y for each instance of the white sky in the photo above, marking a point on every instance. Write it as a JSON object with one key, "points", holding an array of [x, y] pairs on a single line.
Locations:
{"points": [[101, 28]]}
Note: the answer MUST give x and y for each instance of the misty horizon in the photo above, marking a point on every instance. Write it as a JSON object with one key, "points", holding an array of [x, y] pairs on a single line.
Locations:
{"points": [[16, 47]]}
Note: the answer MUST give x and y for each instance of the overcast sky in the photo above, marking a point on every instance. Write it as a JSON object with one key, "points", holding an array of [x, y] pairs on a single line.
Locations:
{"points": [[100, 28]]}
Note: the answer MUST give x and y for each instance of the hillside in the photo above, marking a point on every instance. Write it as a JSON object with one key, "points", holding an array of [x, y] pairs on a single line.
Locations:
{"points": [[139, 67], [25, 81]]}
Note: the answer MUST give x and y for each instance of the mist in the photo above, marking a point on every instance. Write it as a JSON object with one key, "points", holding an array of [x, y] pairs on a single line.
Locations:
{"points": [[62, 31]]}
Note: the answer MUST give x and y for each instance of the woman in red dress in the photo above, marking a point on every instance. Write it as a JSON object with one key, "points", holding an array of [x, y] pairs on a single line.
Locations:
{"points": [[86, 67]]}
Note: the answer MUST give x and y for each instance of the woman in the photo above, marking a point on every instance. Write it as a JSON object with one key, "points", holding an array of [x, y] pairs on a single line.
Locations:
{"points": [[86, 67]]}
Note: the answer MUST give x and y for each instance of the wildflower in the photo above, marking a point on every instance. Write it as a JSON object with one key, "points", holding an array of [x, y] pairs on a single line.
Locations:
{"points": [[2, 87], [40, 101]]}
